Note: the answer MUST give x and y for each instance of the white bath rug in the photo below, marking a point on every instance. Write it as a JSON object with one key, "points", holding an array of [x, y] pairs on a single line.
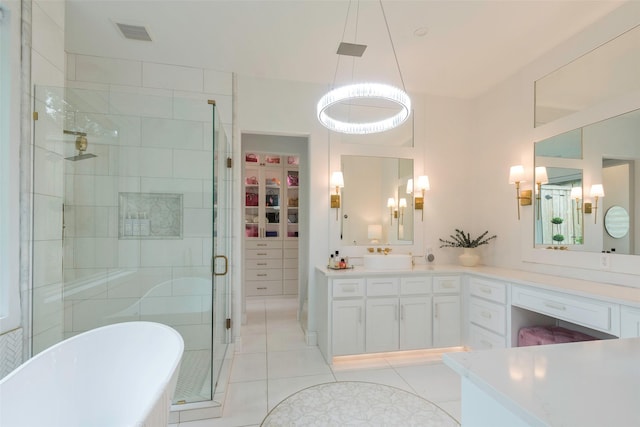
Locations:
{"points": [[353, 403]]}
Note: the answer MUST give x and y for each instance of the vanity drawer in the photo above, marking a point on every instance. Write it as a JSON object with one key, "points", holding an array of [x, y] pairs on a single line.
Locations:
{"points": [[262, 264], [582, 311], [383, 286], [263, 244], [263, 253], [274, 274], [415, 285], [257, 288], [480, 339], [492, 291], [488, 315], [446, 284], [629, 322], [344, 288]]}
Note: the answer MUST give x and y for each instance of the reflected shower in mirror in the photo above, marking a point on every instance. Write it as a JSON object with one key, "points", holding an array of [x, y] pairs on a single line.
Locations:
{"points": [[559, 221], [377, 201]]}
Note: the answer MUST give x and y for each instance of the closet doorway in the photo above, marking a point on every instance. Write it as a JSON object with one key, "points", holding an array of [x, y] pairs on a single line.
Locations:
{"points": [[275, 212]]}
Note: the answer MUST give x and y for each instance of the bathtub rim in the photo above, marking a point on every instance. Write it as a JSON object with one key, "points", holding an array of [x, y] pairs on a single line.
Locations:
{"points": [[165, 381]]}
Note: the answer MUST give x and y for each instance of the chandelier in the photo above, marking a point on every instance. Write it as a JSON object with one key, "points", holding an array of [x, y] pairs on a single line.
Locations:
{"points": [[364, 91]]}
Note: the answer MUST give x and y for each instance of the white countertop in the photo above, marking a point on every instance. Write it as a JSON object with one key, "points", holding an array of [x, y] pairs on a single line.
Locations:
{"points": [[584, 384], [602, 291]]}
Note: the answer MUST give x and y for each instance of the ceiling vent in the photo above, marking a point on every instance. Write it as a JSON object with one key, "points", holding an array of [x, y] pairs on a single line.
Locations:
{"points": [[134, 32], [351, 49]]}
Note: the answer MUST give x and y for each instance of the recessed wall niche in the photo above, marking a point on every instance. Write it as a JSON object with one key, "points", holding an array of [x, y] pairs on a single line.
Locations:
{"points": [[150, 216]]}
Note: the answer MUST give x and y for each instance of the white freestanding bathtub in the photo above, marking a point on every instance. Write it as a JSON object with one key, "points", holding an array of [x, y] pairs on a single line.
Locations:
{"points": [[118, 375]]}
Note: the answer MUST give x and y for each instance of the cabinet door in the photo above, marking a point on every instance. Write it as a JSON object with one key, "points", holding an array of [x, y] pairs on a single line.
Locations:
{"points": [[291, 202], [446, 321], [630, 322], [348, 327], [263, 196], [382, 324], [415, 323]]}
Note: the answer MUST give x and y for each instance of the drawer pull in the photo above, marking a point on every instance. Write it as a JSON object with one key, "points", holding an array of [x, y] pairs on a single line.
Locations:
{"points": [[262, 275], [349, 288], [447, 285], [261, 253], [486, 343], [262, 288], [485, 290], [486, 314], [261, 263], [262, 244], [554, 305]]}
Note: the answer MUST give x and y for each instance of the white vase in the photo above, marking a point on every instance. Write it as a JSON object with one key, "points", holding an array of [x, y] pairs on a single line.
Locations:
{"points": [[469, 257]]}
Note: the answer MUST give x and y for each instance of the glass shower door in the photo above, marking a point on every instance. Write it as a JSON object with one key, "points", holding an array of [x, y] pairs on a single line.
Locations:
{"points": [[129, 209]]}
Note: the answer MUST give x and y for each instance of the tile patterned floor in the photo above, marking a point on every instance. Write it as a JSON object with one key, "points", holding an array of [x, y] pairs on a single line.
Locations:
{"points": [[274, 362]]}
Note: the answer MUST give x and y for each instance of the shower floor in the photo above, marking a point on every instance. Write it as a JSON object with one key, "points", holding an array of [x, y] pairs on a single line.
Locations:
{"points": [[194, 380]]}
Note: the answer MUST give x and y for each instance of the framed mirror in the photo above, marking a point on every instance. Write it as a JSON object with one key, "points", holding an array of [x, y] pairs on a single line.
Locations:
{"points": [[616, 222], [609, 71], [606, 153], [377, 201]]}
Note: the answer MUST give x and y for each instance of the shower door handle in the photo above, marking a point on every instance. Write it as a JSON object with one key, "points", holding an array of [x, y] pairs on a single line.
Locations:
{"points": [[226, 265]]}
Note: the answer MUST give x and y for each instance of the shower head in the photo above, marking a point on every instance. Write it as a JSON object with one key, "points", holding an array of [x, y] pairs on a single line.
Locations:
{"points": [[80, 157], [81, 146]]}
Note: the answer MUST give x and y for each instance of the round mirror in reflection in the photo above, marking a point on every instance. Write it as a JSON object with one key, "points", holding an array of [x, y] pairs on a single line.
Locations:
{"points": [[616, 222]]}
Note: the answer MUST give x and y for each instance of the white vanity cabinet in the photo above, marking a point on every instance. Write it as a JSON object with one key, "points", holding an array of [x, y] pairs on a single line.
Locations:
{"points": [[446, 311], [380, 313], [398, 312], [486, 314], [348, 316], [629, 322]]}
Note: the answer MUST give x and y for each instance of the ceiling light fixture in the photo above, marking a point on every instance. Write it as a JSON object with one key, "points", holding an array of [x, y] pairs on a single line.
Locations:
{"points": [[364, 91]]}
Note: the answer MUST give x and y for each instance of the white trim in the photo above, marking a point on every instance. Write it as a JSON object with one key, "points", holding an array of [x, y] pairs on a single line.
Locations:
{"points": [[9, 167]]}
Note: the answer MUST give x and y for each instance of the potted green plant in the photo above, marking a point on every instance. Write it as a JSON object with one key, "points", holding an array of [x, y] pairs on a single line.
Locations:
{"points": [[557, 237], [460, 239]]}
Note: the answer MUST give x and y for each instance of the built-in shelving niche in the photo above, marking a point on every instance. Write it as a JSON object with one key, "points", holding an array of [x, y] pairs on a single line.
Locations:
{"points": [[150, 216]]}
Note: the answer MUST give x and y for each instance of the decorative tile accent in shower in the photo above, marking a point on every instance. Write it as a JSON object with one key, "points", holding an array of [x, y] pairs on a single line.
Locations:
{"points": [[150, 216], [10, 351]]}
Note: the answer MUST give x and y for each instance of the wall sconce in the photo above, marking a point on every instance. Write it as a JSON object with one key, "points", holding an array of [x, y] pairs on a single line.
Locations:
{"points": [[596, 192], [422, 185], [393, 213], [516, 176], [374, 233], [402, 205], [576, 193], [337, 181], [541, 178]]}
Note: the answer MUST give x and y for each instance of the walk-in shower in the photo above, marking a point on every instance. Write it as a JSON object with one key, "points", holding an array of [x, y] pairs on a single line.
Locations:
{"points": [[144, 213]]}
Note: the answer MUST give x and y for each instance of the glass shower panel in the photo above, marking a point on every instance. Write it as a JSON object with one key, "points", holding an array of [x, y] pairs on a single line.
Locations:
{"points": [[124, 226]]}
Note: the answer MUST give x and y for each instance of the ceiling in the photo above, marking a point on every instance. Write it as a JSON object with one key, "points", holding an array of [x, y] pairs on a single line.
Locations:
{"points": [[469, 46]]}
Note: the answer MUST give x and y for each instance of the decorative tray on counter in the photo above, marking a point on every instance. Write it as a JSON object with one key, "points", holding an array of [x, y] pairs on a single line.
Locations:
{"points": [[340, 268]]}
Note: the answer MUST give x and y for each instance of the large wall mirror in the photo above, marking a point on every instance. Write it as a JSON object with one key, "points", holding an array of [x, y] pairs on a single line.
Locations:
{"points": [[605, 153], [377, 201], [609, 71]]}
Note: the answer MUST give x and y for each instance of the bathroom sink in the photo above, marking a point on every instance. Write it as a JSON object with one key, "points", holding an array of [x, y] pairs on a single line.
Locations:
{"points": [[387, 262]]}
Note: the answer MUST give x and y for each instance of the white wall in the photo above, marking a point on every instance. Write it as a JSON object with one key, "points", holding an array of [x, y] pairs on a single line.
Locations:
{"points": [[503, 135]]}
